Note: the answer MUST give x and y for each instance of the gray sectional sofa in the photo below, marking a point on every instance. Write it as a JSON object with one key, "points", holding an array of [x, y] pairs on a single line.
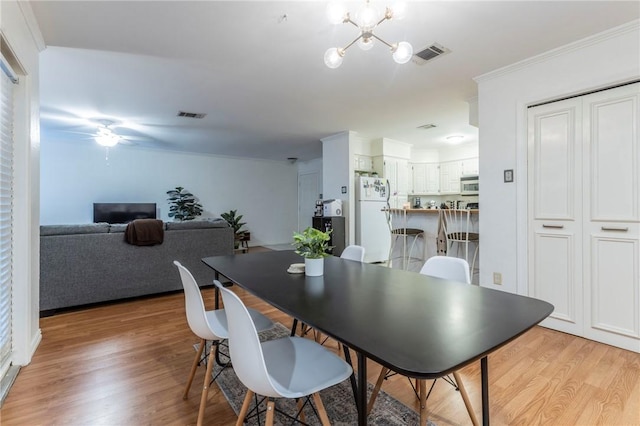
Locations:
{"points": [[91, 263]]}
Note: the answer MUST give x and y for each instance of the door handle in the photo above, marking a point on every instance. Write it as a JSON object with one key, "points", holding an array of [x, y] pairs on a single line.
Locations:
{"points": [[615, 228], [544, 225]]}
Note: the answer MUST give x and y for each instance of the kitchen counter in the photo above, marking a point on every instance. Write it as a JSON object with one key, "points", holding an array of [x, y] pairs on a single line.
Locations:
{"points": [[428, 211]]}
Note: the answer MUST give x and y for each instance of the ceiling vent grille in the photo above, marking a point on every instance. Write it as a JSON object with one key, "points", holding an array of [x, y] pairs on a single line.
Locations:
{"points": [[429, 53], [191, 114], [427, 126]]}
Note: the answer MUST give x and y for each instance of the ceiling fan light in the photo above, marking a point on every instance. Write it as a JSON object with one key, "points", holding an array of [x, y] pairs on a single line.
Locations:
{"points": [[333, 57], [402, 52], [107, 140], [336, 13]]}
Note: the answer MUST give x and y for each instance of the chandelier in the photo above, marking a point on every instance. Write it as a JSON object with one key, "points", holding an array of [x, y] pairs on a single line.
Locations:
{"points": [[106, 137], [366, 20]]}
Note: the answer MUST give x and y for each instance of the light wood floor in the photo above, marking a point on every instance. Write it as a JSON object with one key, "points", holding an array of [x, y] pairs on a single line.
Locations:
{"points": [[126, 364]]}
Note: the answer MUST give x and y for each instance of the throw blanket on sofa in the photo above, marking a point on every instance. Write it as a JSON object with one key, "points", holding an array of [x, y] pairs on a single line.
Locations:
{"points": [[144, 232]]}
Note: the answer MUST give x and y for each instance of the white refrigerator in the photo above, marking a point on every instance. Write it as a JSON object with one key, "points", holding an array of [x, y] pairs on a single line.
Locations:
{"points": [[372, 227]]}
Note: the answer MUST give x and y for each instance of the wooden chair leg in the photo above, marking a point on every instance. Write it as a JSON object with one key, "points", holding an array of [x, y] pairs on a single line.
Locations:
{"points": [[465, 398], [205, 387], [245, 407], [376, 389], [196, 361], [422, 391], [322, 413], [300, 405], [270, 413]]}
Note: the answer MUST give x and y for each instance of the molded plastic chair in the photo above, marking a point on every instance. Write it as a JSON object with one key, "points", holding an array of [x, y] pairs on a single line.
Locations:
{"points": [[278, 368], [207, 325], [353, 252], [449, 268]]}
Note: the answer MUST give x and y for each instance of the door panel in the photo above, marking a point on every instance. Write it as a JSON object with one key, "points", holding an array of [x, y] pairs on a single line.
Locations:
{"points": [[554, 271], [610, 129]]}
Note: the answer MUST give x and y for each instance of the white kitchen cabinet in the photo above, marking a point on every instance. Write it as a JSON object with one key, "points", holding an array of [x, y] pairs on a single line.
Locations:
{"points": [[469, 166], [425, 178], [584, 205], [450, 172], [362, 163], [396, 170]]}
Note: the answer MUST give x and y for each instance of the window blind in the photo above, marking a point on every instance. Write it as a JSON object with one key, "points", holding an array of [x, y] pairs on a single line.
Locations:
{"points": [[7, 80]]}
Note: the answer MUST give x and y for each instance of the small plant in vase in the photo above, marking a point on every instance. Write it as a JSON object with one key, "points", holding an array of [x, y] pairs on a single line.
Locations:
{"points": [[234, 221], [313, 245], [183, 204]]}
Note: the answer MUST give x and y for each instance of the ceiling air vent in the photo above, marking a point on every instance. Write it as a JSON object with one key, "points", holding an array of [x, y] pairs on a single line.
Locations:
{"points": [[191, 114], [429, 53]]}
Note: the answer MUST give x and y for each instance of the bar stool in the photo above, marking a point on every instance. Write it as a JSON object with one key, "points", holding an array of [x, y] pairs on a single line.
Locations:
{"points": [[456, 227], [408, 238]]}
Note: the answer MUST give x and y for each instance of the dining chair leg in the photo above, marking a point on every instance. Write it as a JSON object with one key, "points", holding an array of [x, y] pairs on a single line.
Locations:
{"points": [[300, 406], [270, 413], [322, 413], [422, 391], [465, 398], [376, 388], [194, 367], [205, 387], [245, 407]]}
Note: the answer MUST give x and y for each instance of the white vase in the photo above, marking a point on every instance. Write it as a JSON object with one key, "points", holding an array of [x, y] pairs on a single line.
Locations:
{"points": [[313, 267]]}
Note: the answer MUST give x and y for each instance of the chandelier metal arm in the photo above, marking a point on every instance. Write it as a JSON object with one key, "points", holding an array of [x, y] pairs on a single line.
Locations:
{"points": [[391, 46]]}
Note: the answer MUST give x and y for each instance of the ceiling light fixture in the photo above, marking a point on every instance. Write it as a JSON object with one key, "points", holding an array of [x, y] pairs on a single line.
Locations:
{"points": [[455, 138], [106, 137], [366, 20]]}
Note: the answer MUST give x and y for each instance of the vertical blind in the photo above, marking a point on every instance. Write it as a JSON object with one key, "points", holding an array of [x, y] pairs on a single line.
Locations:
{"points": [[7, 80]]}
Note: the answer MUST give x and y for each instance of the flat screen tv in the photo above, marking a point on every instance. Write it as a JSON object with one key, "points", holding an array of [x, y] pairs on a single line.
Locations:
{"points": [[123, 212]]}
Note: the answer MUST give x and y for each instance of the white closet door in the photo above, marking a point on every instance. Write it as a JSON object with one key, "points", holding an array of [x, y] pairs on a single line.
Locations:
{"points": [[612, 216], [555, 218]]}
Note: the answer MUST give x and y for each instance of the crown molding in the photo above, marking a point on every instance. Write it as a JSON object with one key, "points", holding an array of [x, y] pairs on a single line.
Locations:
{"points": [[571, 47]]}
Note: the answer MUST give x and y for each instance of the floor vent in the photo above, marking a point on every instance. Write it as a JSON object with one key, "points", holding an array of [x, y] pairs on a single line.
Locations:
{"points": [[191, 114], [429, 53]]}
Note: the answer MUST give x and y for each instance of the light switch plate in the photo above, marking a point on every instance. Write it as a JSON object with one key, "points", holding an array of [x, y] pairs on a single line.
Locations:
{"points": [[344, 189]]}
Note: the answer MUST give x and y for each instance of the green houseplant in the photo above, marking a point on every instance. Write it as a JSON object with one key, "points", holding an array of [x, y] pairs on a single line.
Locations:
{"points": [[313, 245], [183, 204], [234, 221]]}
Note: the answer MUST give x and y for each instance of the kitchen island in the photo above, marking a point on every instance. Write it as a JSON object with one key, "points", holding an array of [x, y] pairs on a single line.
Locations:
{"points": [[431, 244]]}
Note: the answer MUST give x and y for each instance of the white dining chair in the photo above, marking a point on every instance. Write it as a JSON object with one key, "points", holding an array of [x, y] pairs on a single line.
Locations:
{"points": [[453, 269], [278, 368], [353, 252], [208, 326]]}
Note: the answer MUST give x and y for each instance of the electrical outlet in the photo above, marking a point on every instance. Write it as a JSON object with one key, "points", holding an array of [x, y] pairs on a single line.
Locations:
{"points": [[497, 278]]}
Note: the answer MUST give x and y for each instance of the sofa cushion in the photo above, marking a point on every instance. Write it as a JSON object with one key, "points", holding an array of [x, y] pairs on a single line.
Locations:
{"points": [[196, 224], [117, 228], [85, 228]]}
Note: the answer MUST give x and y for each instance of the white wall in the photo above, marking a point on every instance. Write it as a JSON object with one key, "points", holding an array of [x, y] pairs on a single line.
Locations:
{"points": [[22, 40], [337, 171], [74, 176], [602, 60]]}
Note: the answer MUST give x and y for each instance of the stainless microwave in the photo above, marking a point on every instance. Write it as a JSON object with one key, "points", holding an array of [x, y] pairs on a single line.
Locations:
{"points": [[469, 185]]}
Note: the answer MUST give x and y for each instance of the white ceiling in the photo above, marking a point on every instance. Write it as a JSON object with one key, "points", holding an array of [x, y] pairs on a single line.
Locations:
{"points": [[260, 76]]}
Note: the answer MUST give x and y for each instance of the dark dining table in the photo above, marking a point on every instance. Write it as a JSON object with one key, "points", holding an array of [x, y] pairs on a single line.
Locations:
{"points": [[420, 326]]}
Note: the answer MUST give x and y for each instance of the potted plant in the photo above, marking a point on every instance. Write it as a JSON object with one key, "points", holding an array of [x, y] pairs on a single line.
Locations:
{"points": [[233, 219], [183, 204], [313, 245]]}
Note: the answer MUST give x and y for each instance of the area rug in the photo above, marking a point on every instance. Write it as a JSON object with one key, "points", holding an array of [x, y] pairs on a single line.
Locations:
{"points": [[338, 400]]}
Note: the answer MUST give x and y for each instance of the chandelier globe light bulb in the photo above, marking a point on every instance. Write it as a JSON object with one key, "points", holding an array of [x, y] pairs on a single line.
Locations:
{"points": [[336, 13], [368, 16], [333, 57], [402, 52], [365, 42], [398, 10]]}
